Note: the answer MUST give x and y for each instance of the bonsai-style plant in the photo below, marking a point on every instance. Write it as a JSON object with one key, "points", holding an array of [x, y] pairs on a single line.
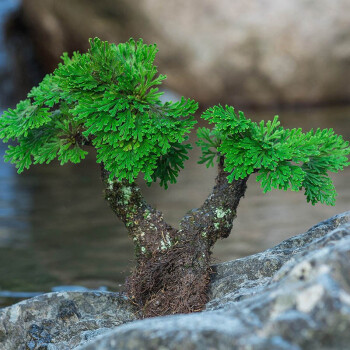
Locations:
{"points": [[108, 99]]}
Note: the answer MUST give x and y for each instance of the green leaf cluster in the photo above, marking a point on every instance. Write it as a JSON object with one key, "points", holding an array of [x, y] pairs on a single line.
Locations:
{"points": [[283, 158], [107, 98]]}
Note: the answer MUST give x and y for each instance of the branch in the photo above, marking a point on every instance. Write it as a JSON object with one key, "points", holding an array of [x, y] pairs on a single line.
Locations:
{"points": [[214, 218], [146, 225]]}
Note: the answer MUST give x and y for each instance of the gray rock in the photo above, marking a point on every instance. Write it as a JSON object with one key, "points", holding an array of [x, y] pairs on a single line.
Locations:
{"points": [[291, 297], [257, 270], [238, 52], [61, 321]]}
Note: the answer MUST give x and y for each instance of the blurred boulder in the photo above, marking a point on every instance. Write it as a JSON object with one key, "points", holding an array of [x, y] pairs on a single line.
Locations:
{"points": [[249, 52]]}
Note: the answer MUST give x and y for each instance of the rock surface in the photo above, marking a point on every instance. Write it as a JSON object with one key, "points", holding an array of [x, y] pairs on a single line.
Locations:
{"points": [[238, 52], [291, 297], [61, 321], [294, 296]]}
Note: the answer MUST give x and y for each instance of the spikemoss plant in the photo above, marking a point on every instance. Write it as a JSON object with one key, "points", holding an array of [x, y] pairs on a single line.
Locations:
{"points": [[108, 99]]}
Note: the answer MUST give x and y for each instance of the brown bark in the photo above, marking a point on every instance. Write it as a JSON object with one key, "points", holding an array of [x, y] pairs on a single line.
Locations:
{"points": [[172, 270]]}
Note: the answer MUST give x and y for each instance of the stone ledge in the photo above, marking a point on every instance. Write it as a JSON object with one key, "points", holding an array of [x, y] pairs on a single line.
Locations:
{"points": [[293, 296]]}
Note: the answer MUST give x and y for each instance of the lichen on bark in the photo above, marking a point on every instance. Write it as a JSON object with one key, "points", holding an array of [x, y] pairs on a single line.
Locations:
{"points": [[172, 271]]}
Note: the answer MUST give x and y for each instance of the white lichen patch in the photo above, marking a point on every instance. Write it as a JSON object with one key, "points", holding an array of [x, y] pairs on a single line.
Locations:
{"points": [[344, 297], [163, 245], [110, 184], [307, 299], [126, 190], [147, 214], [153, 227], [222, 213], [14, 313], [302, 270], [166, 242], [283, 303], [324, 269]]}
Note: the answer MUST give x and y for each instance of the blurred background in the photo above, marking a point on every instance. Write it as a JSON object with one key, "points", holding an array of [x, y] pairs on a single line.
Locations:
{"points": [[266, 57]]}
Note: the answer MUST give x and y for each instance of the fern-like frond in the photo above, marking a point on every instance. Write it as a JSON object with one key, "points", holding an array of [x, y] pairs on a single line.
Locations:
{"points": [[108, 98], [283, 158]]}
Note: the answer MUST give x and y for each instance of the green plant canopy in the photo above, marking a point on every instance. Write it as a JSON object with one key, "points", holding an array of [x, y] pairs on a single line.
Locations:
{"points": [[107, 98]]}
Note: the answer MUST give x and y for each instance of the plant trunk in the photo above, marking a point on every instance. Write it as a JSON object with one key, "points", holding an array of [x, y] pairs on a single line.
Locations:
{"points": [[172, 272]]}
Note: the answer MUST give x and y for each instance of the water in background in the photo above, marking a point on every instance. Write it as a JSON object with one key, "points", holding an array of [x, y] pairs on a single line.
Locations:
{"points": [[6, 86], [56, 228]]}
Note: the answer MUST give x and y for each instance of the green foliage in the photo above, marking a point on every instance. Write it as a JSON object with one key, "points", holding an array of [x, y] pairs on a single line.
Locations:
{"points": [[283, 158], [107, 98], [169, 165], [209, 141]]}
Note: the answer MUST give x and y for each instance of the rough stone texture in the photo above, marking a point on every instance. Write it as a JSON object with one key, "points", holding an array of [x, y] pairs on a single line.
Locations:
{"points": [[294, 296], [61, 321], [239, 52], [259, 268]]}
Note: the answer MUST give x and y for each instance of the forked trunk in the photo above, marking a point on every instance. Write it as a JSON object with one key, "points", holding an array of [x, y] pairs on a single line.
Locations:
{"points": [[172, 270]]}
